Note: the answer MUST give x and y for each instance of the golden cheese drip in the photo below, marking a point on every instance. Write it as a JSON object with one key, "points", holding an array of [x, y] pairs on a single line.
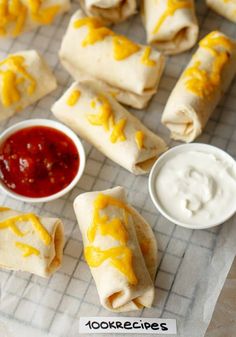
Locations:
{"points": [[172, 7], [12, 73], [123, 47], [12, 12], [3, 20], [145, 59], [201, 82], [118, 131], [139, 138], [12, 226], [45, 15], [103, 200], [11, 223], [93, 103], [73, 98], [16, 12], [34, 5], [120, 257], [105, 116], [4, 209], [112, 227], [198, 80], [214, 40], [96, 31], [9, 92], [27, 249]]}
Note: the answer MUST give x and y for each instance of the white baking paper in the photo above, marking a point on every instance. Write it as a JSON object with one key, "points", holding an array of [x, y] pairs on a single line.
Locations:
{"points": [[193, 264]]}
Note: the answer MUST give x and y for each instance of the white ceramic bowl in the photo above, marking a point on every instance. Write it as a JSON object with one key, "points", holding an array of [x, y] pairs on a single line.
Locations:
{"points": [[57, 126], [169, 155]]}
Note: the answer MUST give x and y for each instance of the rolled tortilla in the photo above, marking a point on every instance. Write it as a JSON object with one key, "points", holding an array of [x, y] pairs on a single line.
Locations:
{"points": [[99, 119], [226, 8], [200, 87], [109, 11], [25, 15], [171, 25], [131, 69], [24, 79], [120, 249], [30, 243]]}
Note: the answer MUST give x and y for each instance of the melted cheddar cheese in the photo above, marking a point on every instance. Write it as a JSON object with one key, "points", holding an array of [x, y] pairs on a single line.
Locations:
{"points": [[12, 12], [93, 103], [12, 74], [4, 209], [11, 223], [171, 7], [120, 257], [139, 138], [96, 31], [16, 12], [123, 47], [27, 249], [112, 227], [102, 201], [12, 226], [118, 131], [213, 41], [73, 98], [105, 116], [204, 83], [145, 59], [34, 5], [45, 15]]}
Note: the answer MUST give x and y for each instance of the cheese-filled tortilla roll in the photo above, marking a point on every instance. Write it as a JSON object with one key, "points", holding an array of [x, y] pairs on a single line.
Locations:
{"points": [[30, 243], [90, 47], [171, 25], [226, 8], [120, 249], [200, 87], [19, 16], [99, 119], [109, 11], [24, 79]]}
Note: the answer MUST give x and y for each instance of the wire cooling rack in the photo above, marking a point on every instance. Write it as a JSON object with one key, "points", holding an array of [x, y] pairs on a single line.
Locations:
{"points": [[45, 307]]}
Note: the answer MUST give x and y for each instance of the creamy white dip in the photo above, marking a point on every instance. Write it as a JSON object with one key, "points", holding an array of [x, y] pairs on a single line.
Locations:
{"points": [[197, 188]]}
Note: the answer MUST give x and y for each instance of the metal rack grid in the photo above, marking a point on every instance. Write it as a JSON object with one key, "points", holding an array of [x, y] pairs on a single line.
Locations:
{"points": [[53, 306]]}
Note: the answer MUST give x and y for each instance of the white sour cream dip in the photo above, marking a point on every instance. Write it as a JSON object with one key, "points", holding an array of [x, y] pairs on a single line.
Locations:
{"points": [[197, 188]]}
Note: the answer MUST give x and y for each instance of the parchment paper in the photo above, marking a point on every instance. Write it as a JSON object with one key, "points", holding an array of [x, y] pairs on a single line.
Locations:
{"points": [[193, 264], [223, 322]]}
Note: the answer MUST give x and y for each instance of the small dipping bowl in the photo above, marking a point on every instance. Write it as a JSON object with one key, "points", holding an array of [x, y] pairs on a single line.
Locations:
{"points": [[164, 158], [58, 127]]}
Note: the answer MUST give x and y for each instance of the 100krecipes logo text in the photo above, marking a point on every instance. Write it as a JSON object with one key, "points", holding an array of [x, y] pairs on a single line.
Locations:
{"points": [[127, 325]]}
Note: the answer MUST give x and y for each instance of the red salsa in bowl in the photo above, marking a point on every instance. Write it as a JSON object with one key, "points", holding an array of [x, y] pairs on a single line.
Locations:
{"points": [[38, 161]]}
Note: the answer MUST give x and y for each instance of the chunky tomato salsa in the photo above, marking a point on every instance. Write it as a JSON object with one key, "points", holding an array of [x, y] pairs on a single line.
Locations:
{"points": [[38, 161]]}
